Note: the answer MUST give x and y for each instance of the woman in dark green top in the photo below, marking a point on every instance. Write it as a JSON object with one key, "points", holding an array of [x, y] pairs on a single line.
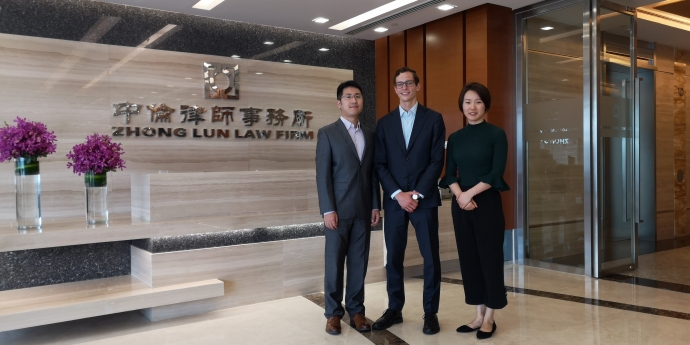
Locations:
{"points": [[475, 162]]}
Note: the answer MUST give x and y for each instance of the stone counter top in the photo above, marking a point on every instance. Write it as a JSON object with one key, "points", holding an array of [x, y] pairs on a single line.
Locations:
{"points": [[75, 231]]}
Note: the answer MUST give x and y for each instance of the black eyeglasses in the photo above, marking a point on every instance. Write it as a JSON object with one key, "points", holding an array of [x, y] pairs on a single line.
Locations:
{"points": [[400, 84]]}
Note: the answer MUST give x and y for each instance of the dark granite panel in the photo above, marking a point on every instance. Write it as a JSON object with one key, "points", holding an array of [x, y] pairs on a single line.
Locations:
{"points": [[38, 267], [377, 337], [231, 238], [73, 19]]}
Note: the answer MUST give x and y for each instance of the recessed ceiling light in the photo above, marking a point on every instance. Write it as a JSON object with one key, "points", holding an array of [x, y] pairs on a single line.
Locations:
{"points": [[207, 4], [381, 29], [565, 80], [193, 94], [320, 20], [268, 43], [446, 7], [235, 56], [154, 92], [547, 28], [372, 14], [259, 73], [287, 61], [324, 49]]}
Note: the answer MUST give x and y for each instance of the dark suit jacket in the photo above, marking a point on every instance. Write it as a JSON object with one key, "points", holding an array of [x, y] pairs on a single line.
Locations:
{"points": [[416, 168], [345, 185]]}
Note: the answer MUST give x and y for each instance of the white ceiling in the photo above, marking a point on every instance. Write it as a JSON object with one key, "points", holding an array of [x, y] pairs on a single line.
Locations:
{"points": [[298, 14]]}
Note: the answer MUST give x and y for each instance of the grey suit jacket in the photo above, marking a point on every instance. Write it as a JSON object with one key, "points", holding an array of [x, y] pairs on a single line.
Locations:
{"points": [[346, 185]]}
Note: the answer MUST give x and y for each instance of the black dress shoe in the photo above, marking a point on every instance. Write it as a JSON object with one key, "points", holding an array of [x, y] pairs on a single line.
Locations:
{"points": [[389, 318], [431, 325], [486, 335], [466, 329]]}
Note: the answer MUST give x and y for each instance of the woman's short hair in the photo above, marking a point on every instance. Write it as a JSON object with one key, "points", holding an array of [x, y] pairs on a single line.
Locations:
{"points": [[481, 90]]}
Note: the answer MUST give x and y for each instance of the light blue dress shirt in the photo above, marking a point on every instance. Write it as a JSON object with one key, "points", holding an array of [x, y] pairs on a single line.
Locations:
{"points": [[407, 119]]}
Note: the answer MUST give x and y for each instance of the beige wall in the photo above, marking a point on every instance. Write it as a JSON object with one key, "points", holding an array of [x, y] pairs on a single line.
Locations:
{"points": [[71, 86]]}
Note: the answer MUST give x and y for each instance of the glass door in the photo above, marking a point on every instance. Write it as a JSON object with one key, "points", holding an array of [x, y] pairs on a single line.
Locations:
{"points": [[554, 146], [615, 133]]}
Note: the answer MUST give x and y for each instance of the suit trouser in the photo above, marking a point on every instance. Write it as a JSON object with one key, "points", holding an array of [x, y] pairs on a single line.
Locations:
{"points": [[349, 242], [425, 222], [479, 237]]}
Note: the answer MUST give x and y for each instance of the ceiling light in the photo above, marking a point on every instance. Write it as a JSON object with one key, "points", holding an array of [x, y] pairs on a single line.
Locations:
{"points": [[268, 43], [324, 49], [565, 80], [381, 29], [664, 18], [235, 56], [288, 61], [188, 78], [547, 28], [320, 20], [446, 7], [259, 73], [207, 4], [372, 14]]}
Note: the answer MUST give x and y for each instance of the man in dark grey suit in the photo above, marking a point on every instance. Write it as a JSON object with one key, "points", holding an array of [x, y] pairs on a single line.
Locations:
{"points": [[349, 200]]}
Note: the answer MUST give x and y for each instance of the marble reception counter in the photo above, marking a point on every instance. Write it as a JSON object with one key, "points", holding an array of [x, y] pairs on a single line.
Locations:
{"points": [[254, 254]]}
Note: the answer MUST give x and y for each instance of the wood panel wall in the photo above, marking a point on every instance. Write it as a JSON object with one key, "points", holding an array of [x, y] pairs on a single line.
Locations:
{"points": [[448, 53]]}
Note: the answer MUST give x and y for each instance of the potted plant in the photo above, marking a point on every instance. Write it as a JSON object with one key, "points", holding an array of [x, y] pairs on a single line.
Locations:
{"points": [[25, 143], [94, 158]]}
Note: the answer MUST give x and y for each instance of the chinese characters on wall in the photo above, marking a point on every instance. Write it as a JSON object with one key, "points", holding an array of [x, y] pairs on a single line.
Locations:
{"points": [[279, 125], [274, 120]]}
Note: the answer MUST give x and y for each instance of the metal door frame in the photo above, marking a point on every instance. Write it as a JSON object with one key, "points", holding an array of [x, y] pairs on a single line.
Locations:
{"points": [[591, 60]]}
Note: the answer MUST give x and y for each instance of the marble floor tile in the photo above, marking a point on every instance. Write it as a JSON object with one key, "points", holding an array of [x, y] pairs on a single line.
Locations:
{"points": [[288, 321], [668, 266], [529, 318]]}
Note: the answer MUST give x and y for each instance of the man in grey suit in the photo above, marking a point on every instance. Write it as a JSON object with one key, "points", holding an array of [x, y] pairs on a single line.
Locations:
{"points": [[349, 200]]}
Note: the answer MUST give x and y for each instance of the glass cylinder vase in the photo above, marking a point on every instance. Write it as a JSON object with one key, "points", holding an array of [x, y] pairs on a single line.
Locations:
{"points": [[27, 187], [96, 186]]}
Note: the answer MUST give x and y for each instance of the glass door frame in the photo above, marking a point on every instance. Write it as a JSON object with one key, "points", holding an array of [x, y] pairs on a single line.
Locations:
{"points": [[596, 245], [521, 232], [591, 62]]}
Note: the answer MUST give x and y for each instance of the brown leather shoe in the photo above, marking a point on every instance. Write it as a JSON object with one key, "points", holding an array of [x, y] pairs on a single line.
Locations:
{"points": [[360, 323], [333, 325]]}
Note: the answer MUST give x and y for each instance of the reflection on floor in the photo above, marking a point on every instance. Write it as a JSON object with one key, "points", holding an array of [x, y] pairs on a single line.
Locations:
{"points": [[545, 307], [671, 266]]}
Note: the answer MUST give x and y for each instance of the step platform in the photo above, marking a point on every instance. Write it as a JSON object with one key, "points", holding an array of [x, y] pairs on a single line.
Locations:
{"points": [[50, 304]]}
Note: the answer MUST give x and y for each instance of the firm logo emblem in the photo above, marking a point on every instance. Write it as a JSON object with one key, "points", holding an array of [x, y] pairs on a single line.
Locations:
{"points": [[212, 71]]}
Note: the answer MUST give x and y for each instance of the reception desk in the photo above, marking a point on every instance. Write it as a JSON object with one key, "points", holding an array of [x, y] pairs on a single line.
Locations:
{"points": [[199, 242]]}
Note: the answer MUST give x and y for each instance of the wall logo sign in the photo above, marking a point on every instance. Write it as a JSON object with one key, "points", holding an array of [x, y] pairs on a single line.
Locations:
{"points": [[213, 71], [274, 120]]}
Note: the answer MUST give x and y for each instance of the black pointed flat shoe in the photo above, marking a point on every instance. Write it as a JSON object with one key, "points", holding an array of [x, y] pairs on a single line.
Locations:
{"points": [[466, 329], [486, 335]]}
